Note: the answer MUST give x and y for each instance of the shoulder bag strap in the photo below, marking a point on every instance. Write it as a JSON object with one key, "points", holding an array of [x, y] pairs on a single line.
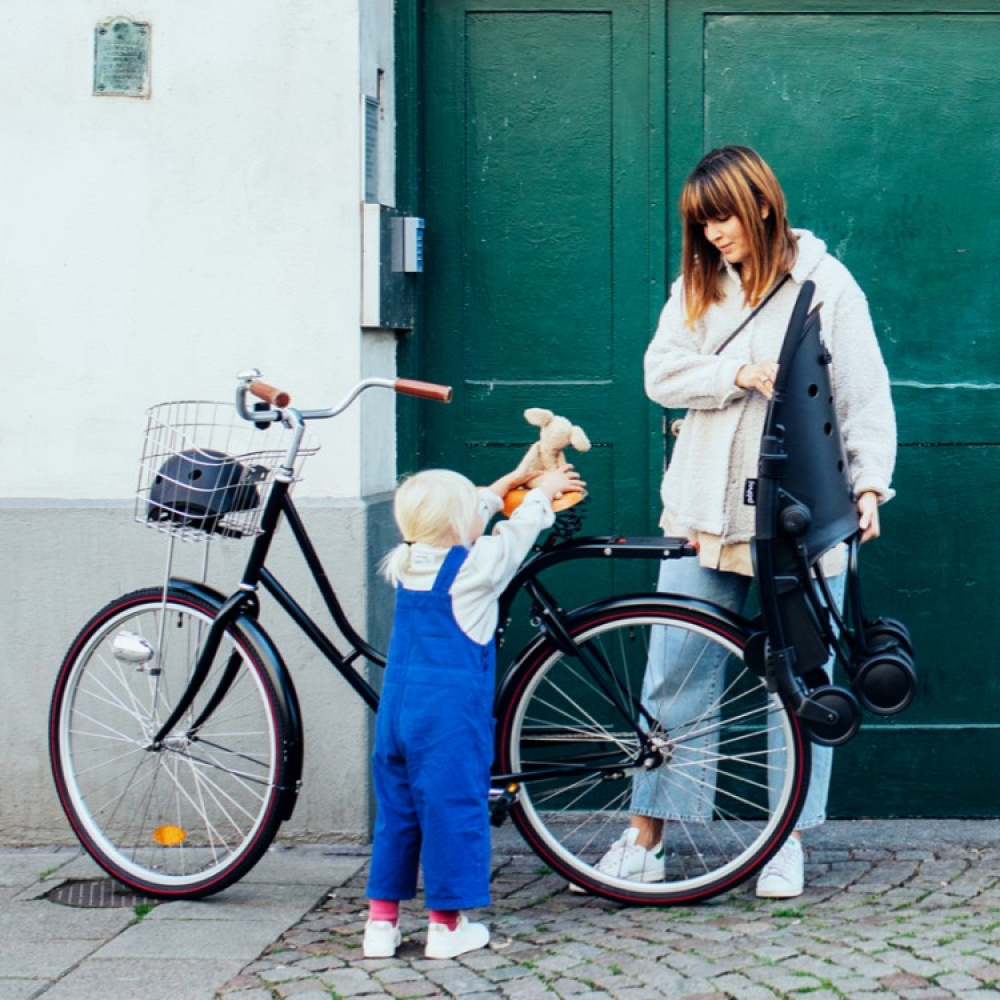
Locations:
{"points": [[767, 298]]}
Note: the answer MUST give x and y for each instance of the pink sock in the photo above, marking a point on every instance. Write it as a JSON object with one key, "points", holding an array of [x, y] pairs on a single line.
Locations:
{"points": [[449, 917], [384, 909]]}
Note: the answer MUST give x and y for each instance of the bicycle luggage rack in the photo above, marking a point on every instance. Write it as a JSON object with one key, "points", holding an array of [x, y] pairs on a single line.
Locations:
{"points": [[805, 508]]}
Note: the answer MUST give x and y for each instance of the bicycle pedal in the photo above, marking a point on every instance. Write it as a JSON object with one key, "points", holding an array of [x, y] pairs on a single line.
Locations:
{"points": [[500, 803]]}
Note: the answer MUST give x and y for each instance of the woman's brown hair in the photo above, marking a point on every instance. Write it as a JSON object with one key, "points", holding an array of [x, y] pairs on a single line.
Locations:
{"points": [[733, 180]]}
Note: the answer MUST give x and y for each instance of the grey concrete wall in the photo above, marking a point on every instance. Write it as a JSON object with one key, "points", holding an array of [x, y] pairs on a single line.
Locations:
{"points": [[65, 561]]}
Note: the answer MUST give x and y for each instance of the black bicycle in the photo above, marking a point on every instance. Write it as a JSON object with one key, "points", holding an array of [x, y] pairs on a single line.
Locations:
{"points": [[176, 738]]}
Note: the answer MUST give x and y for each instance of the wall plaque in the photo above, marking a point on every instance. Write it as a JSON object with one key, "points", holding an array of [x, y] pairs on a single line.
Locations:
{"points": [[121, 58]]}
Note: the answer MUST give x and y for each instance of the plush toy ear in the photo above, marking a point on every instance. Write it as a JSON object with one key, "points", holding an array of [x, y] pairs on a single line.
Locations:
{"points": [[578, 439], [537, 416]]}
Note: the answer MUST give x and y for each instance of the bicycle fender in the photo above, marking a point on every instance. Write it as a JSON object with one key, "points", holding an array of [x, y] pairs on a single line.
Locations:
{"points": [[728, 620], [288, 701]]}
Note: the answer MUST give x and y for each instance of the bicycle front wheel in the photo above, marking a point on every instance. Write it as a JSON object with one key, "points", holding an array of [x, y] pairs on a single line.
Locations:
{"points": [[190, 815], [581, 735]]}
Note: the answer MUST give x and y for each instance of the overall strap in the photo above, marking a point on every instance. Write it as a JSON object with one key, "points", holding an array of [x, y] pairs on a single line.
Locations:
{"points": [[453, 562]]}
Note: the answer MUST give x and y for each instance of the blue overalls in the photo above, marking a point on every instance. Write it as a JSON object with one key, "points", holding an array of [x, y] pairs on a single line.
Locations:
{"points": [[433, 752]]}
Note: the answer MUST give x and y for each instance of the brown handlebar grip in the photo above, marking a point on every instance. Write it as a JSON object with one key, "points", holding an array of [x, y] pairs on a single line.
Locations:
{"points": [[426, 390], [276, 397]]}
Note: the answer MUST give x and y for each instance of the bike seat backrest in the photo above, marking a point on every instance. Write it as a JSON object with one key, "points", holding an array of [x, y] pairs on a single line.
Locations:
{"points": [[803, 418]]}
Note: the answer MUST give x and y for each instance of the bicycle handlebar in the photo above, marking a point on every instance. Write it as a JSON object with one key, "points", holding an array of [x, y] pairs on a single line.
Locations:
{"points": [[425, 390], [268, 393], [250, 382], [404, 386]]}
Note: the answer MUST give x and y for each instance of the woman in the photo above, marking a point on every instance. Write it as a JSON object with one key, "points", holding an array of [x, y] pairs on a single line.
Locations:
{"points": [[742, 261]]}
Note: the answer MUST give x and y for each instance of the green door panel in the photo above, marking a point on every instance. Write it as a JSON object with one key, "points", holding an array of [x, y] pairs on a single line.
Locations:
{"points": [[883, 124], [936, 570], [537, 203], [539, 246], [934, 771], [890, 154]]}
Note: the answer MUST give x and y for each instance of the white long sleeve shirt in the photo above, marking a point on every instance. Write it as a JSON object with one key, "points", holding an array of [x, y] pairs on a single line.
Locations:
{"points": [[492, 562]]}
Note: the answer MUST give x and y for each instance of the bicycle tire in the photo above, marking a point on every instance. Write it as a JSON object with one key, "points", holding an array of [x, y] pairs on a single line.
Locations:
{"points": [[553, 716], [192, 816]]}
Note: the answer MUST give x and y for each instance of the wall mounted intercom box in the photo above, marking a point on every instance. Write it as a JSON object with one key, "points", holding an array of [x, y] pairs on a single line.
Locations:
{"points": [[392, 258]]}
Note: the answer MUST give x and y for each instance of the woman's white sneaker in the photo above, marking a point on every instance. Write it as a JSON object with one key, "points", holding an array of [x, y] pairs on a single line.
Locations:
{"points": [[443, 942], [782, 877], [626, 859], [381, 939]]}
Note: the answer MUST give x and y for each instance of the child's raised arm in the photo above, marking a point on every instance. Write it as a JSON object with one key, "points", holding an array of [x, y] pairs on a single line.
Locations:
{"points": [[505, 484]]}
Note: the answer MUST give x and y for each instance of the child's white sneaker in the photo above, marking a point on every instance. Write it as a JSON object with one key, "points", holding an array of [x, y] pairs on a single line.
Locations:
{"points": [[381, 939], [782, 877], [442, 942]]}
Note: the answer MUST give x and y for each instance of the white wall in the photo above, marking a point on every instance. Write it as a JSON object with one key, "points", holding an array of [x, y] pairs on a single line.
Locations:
{"points": [[151, 249]]}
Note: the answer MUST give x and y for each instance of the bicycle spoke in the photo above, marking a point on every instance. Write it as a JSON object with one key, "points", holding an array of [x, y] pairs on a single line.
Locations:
{"points": [[731, 761]]}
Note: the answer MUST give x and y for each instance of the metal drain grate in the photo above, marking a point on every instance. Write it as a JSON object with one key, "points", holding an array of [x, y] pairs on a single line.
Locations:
{"points": [[96, 894]]}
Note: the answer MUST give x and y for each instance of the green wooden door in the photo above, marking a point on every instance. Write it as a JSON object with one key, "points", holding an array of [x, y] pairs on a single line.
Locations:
{"points": [[556, 142], [883, 122], [538, 198]]}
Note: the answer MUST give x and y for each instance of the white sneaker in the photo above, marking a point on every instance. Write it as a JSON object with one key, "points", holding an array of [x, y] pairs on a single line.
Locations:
{"points": [[626, 859], [782, 877], [381, 939], [442, 942]]}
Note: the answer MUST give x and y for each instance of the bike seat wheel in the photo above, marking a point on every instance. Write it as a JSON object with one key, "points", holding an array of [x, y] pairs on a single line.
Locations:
{"points": [[886, 683], [887, 632], [516, 496], [845, 705]]}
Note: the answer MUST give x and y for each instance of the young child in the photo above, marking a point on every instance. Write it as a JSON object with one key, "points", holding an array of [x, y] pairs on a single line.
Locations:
{"points": [[434, 729]]}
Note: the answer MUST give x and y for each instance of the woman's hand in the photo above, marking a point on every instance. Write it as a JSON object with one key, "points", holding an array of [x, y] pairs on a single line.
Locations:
{"points": [[868, 519], [758, 377]]}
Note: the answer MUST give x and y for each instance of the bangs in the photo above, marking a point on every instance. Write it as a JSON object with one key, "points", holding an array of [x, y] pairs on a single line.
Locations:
{"points": [[704, 198]]}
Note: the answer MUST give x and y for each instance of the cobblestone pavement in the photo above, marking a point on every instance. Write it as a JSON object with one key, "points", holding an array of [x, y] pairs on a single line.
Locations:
{"points": [[891, 909]]}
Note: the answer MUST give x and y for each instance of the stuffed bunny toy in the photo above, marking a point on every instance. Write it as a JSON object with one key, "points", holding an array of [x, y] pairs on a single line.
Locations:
{"points": [[556, 434]]}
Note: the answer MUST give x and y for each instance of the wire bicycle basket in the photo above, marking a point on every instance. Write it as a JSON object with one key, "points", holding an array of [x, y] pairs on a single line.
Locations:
{"points": [[206, 472]]}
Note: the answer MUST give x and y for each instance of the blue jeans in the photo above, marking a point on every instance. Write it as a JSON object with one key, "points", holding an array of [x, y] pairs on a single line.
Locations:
{"points": [[685, 677]]}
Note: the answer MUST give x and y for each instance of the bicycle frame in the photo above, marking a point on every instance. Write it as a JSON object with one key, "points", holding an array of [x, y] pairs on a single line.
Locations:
{"points": [[552, 618]]}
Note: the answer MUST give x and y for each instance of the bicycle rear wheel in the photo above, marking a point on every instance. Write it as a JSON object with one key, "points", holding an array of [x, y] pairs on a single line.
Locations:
{"points": [[189, 816], [574, 731]]}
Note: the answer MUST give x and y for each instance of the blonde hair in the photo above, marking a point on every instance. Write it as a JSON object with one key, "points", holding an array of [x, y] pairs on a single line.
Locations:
{"points": [[436, 506], [733, 181]]}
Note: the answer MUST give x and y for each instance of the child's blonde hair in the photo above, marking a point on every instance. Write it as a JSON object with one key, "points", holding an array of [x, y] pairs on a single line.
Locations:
{"points": [[436, 506]]}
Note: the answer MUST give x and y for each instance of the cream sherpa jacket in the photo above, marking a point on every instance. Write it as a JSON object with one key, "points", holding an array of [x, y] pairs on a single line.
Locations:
{"points": [[717, 449]]}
